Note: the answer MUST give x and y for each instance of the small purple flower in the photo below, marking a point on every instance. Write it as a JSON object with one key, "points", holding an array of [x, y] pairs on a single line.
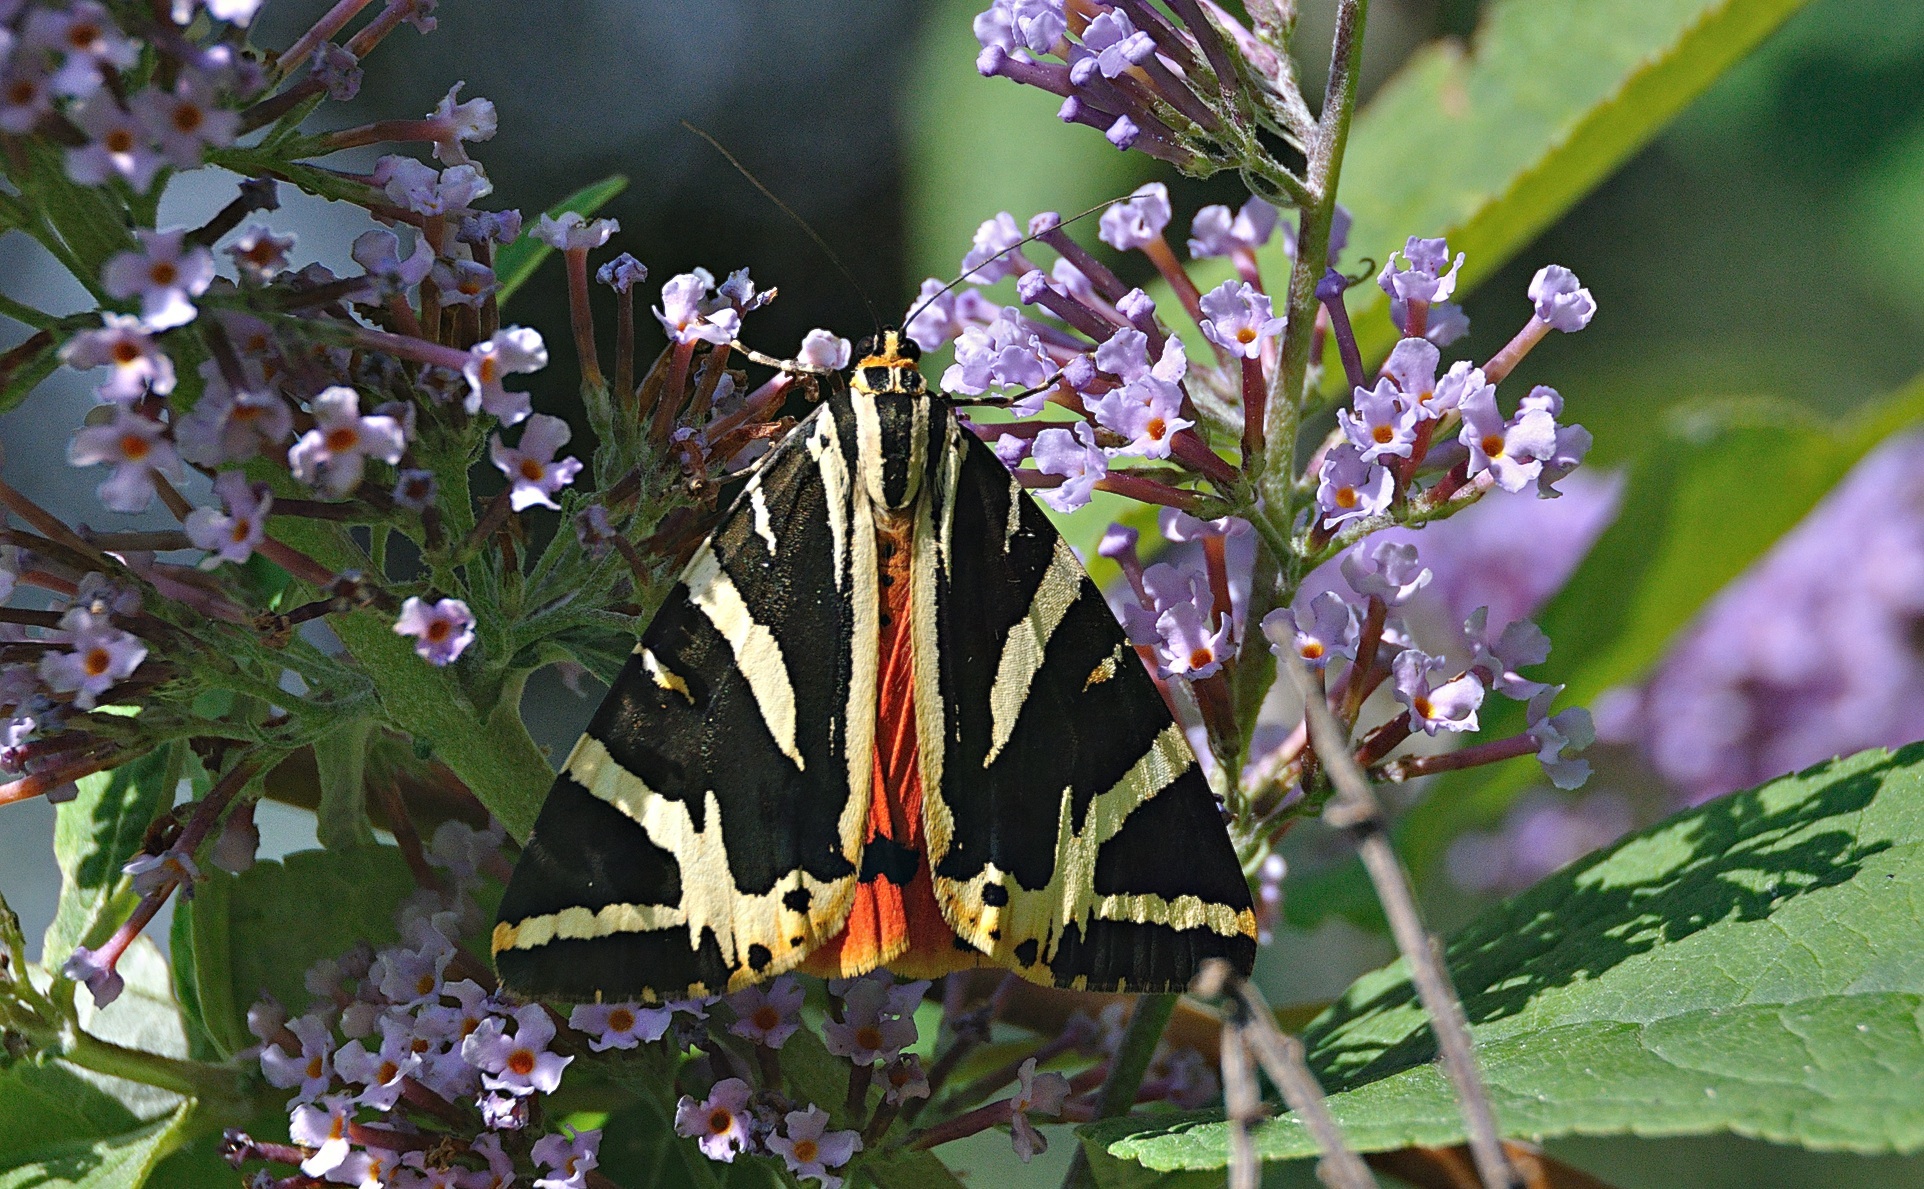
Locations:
{"points": [[1125, 354], [166, 273], [378, 252], [419, 188], [810, 1149], [1412, 365], [1349, 487], [415, 489], [1446, 322], [1521, 645], [1450, 706], [463, 282], [1558, 738], [620, 1025], [1383, 422], [311, 1069], [322, 1126], [336, 68], [333, 455], [1512, 451], [1180, 527], [1138, 221], [1560, 299], [566, 1159], [186, 120], [993, 255], [1422, 276], [260, 255], [503, 227], [1135, 305], [518, 1064], [1190, 640], [1146, 410], [226, 426], [904, 1078], [1011, 450], [870, 1030], [1007, 353], [232, 532], [1072, 453], [139, 365], [768, 1015], [152, 873], [1030, 26], [379, 1072], [1040, 1094], [518, 349], [719, 1123], [1463, 382], [531, 466], [1237, 318], [1216, 232], [442, 630], [1390, 572], [500, 1171], [1115, 45], [622, 273], [688, 316], [474, 120], [26, 92], [95, 972], [88, 41], [136, 447], [1327, 632], [571, 232], [118, 145], [824, 349]]}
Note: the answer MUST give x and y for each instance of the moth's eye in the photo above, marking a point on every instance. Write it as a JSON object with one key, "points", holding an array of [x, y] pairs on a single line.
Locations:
{"points": [[877, 379], [865, 346], [906, 348]]}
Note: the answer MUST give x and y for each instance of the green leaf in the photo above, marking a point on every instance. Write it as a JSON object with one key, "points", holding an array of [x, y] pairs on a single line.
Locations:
{"points": [[259, 931], [118, 1161], [516, 262], [25, 366], [95, 834], [1491, 145], [1755, 965], [85, 226], [340, 820]]}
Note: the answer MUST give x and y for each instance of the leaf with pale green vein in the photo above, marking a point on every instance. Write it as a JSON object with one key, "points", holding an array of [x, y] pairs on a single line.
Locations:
{"points": [[259, 931], [120, 1160], [1755, 965], [95, 834], [516, 262]]}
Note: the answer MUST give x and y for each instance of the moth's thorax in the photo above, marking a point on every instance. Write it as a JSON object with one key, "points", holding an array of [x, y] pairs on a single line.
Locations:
{"points": [[894, 415]]}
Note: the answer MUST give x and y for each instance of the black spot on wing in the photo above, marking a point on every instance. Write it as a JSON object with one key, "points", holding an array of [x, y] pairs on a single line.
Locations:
{"points": [[586, 853], [1125, 956], [759, 957], [995, 895], [654, 965], [1174, 845], [796, 899]]}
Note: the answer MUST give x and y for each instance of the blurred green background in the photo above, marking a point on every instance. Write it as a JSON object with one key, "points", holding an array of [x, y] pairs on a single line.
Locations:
{"points": [[1769, 244]]}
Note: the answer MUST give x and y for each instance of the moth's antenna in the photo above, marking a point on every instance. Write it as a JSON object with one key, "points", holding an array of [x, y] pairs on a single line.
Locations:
{"points": [[799, 222], [1027, 239]]}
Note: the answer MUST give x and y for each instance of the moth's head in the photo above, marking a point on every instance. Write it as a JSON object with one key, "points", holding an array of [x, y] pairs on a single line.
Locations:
{"points": [[886, 363]]}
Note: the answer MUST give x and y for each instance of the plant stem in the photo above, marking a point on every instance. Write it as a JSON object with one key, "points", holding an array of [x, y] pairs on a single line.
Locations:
{"points": [[1354, 810], [1126, 1071]]}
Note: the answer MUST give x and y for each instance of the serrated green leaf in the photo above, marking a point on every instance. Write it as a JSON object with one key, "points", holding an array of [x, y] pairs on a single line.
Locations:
{"points": [[118, 1161], [259, 931], [95, 834], [1490, 145], [1755, 965], [340, 758], [516, 262]]}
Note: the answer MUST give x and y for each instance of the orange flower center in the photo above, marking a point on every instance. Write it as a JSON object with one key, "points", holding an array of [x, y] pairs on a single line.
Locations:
{"points": [[242, 526], [314, 1066], [869, 1037], [119, 140], [1383, 434], [531, 470], [1346, 497], [1421, 705], [81, 35], [133, 447], [163, 272], [126, 353], [342, 439], [188, 117], [719, 1121], [1312, 650], [438, 631], [22, 92], [1246, 335], [765, 1017], [620, 1020], [521, 1062], [1157, 428], [1493, 445], [806, 1150], [1201, 658]]}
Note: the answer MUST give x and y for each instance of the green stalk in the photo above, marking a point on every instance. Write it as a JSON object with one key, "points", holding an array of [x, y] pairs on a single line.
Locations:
{"points": [[1126, 1070]]}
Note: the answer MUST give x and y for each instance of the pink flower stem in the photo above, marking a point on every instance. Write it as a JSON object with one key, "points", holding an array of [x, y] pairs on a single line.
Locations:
{"points": [[1416, 323], [1383, 740], [376, 30], [1493, 752], [80, 765], [1171, 269], [668, 404], [581, 316], [419, 350], [1189, 447], [1149, 491], [960, 1127], [492, 519], [384, 131], [53, 528], [1216, 561], [1255, 408], [294, 561], [624, 346], [1367, 643], [332, 21], [1504, 362]]}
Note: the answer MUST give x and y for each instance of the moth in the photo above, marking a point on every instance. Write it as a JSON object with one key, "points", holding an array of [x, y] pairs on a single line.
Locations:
{"points": [[884, 719]]}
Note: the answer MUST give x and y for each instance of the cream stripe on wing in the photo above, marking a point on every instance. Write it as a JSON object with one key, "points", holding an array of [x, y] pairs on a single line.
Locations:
{"points": [[1027, 643], [757, 654]]}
